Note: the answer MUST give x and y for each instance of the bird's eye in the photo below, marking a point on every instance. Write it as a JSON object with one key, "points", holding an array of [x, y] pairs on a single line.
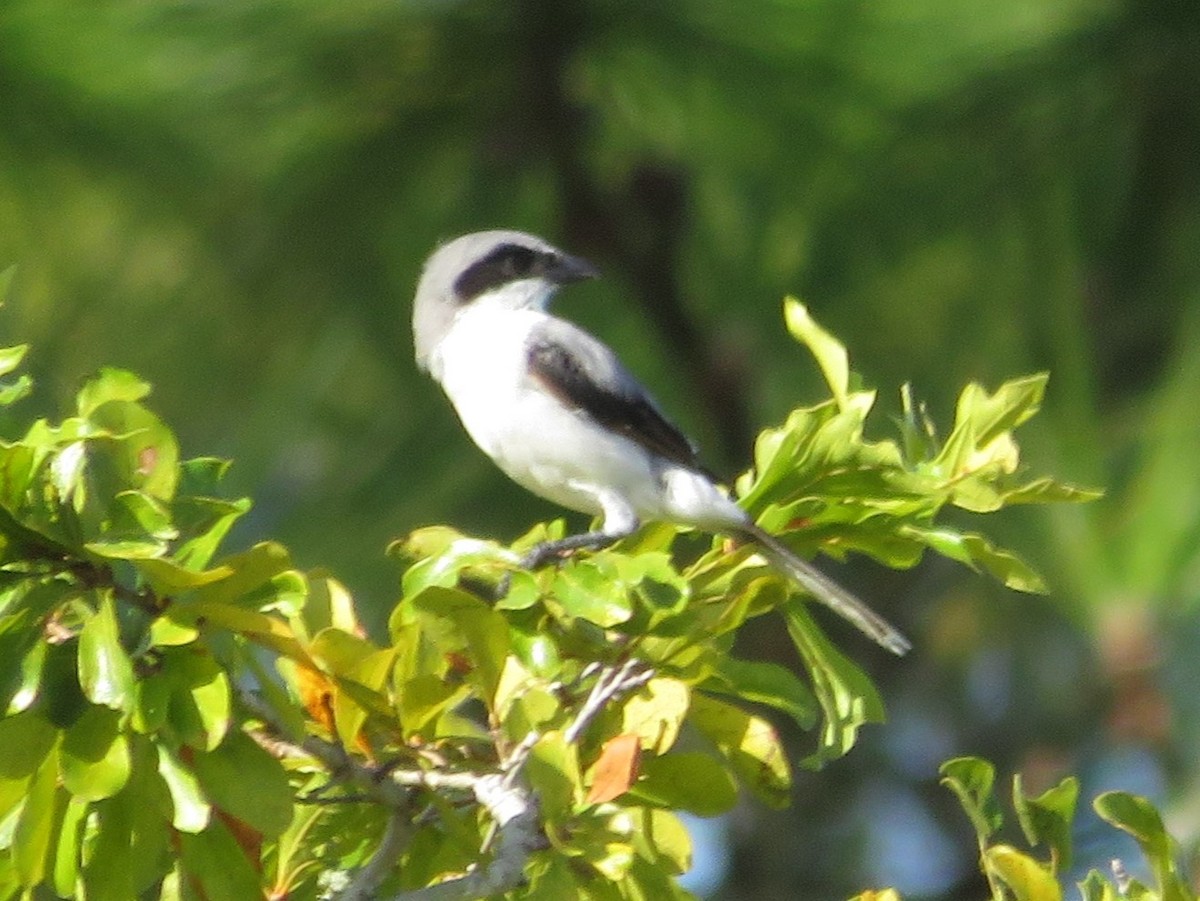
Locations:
{"points": [[520, 261]]}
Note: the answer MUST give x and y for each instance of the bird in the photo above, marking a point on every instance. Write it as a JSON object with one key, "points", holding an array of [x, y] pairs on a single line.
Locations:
{"points": [[559, 414]]}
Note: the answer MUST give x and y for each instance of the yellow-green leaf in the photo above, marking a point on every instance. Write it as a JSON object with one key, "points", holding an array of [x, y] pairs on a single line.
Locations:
{"points": [[829, 353], [1028, 879], [191, 809], [848, 698], [665, 840], [655, 713], [751, 745]]}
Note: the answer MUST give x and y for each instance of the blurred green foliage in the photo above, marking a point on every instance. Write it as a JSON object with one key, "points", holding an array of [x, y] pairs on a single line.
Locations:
{"points": [[234, 200]]}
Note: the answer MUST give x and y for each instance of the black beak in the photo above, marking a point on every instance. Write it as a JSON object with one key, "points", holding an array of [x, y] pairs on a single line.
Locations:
{"points": [[567, 268]]}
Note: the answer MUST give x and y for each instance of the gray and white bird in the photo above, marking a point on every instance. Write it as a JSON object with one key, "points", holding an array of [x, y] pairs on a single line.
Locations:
{"points": [[561, 416]]}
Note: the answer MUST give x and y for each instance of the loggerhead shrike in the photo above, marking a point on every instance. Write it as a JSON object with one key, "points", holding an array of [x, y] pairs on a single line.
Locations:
{"points": [[560, 415]]}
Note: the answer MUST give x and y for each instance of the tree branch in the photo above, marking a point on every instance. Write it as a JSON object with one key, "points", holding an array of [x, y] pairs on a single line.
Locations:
{"points": [[515, 811], [366, 882], [612, 681], [510, 803]]}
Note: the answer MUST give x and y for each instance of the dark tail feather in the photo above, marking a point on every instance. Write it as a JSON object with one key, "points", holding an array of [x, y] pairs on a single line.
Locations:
{"points": [[829, 592]]}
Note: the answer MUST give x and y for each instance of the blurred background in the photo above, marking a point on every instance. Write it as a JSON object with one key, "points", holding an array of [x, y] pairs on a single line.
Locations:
{"points": [[234, 197]]}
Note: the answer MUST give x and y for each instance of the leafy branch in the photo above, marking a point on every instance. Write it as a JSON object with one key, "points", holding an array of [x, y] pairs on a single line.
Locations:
{"points": [[168, 704], [1046, 821]]}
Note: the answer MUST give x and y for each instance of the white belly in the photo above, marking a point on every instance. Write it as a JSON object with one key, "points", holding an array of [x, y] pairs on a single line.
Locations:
{"points": [[551, 449]]}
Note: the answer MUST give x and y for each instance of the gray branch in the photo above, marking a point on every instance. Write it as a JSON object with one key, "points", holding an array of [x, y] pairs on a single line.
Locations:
{"points": [[504, 795], [515, 812]]}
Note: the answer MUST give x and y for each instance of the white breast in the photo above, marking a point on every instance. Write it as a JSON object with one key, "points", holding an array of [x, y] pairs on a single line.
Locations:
{"points": [[553, 450]]}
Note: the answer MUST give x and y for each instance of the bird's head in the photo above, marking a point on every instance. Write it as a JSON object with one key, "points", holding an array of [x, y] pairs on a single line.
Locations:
{"points": [[508, 269]]}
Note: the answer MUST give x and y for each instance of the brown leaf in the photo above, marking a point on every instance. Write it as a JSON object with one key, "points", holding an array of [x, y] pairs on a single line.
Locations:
{"points": [[616, 769]]}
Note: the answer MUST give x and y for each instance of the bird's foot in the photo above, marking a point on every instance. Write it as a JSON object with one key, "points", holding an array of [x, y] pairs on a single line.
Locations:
{"points": [[541, 554]]}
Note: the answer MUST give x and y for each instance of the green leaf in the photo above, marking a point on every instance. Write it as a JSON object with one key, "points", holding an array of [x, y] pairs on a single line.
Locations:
{"points": [[1138, 817], [34, 831], [339, 652], [108, 873], [263, 629], [523, 592], [603, 838], [218, 864], [1048, 818], [538, 652], [200, 701], [360, 691], [425, 697], [66, 471], [1009, 406], [982, 419], [105, 671], [746, 599], [191, 809], [23, 608], [11, 392], [765, 683], [663, 840], [1049, 491], [444, 553], [67, 853], [244, 780], [142, 453], [204, 522], [829, 353], [553, 771], [1096, 888], [686, 780], [848, 698], [11, 357], [979, 554], [582, 589], [329, 605], [273, 689], [26, 677], [94, 756], [1028, 879], [655, 713], [552, 876], [27, 740], [249, 571], [59, 695], [153, 702], [459, 623], [750, 744], [972, 780], [139, 527], [110, 384]]}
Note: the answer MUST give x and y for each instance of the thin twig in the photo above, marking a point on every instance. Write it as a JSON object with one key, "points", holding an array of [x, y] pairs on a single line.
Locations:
{"points": [[333, 757], [613, 681], [370, 876]]}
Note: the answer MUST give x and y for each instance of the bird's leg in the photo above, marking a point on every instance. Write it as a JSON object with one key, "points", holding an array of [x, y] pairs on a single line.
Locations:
{"points": [[620, 521], [543, 553]]}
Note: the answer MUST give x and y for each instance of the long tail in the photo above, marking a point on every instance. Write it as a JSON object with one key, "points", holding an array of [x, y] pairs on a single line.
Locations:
{"points": [[829, 592]]}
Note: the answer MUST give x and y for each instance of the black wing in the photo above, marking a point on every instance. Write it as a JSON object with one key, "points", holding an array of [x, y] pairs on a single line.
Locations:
{"points": [[585, 375]]}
